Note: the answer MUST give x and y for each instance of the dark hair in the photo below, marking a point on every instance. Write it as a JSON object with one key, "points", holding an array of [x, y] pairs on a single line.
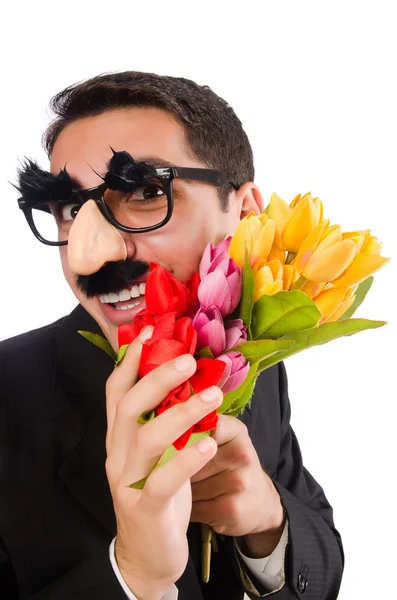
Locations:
{"points": [[213, 132]]}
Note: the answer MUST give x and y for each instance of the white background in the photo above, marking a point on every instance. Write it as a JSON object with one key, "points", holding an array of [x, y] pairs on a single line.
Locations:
{"points": [[314, 85]]}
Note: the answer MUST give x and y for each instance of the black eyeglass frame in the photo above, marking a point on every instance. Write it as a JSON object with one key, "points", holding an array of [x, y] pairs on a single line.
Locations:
{"points": [[97, 193]]}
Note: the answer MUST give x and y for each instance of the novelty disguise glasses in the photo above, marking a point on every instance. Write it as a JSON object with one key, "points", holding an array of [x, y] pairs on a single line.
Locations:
{"points": [[135, 197]]}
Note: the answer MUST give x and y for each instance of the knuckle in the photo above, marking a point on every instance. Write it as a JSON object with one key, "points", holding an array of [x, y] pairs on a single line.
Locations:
{"points": [[109, 468], [240, 482], [111, 384], [153, 492], [145, 444], [124, 408], [232, 509], [186, 409], [244, 458], [243, 428]]}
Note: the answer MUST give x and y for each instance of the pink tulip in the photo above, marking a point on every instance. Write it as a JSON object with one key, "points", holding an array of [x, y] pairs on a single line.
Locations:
{"points": [[236, 332], [210, 329], [221, 280], [210, 253], [214, 333], [235, 372]]}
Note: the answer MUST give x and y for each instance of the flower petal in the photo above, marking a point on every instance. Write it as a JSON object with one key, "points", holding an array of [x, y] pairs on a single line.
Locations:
{"points": [[328, 264], [362, 267]]}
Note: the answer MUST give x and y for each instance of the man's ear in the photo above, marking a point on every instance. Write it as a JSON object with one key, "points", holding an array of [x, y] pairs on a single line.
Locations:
{"points": [[251, 199]]}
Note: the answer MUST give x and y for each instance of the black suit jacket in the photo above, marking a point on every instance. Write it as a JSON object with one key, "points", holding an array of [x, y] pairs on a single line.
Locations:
{"points": [[56, 512]]}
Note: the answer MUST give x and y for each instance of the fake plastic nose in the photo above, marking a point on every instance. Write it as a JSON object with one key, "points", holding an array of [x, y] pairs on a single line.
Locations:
{"points": [[93, 241]]}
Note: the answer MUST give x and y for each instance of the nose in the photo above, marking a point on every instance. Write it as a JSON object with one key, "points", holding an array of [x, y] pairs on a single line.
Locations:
{"points": [[93, 241]]}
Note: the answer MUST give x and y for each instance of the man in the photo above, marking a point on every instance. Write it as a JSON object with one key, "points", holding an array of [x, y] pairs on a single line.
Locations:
{"points": [[70, 443]]}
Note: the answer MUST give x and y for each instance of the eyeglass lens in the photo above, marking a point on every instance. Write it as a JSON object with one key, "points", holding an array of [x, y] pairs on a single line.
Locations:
{"points": [[145, 207]]}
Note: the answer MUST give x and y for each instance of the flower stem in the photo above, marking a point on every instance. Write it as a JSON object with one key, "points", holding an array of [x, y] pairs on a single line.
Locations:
{"points": [[290, 258], [300, 283], [206, 536]]}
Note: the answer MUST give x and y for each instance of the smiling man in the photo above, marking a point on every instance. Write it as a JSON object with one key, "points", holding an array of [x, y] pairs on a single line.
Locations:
{"points": [[144, 168]]}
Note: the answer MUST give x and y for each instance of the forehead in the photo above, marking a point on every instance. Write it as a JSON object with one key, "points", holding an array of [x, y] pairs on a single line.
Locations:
{"points": [[86, 144]]}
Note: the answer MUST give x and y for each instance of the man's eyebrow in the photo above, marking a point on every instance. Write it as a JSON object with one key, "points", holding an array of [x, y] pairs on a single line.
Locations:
{"points": [[154, 161]]}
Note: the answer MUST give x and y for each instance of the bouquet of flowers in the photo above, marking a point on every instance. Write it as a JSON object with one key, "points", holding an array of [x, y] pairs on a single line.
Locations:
{"points": [[285, 281]]}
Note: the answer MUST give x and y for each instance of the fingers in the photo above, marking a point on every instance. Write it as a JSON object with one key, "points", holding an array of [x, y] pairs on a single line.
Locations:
{"points": [[167, 480], [124, 375], [227, 429], [154, 437], [235, 448], [145, 395], [226, 482]]}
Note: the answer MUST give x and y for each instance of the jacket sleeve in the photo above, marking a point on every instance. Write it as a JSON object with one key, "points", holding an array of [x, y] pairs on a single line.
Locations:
{"points": [[93, 579], [8, 584], [314, 558]]}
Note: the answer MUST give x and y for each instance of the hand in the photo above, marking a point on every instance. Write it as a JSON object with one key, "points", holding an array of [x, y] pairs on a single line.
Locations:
{"points": [[232, 492], [151, 547]]}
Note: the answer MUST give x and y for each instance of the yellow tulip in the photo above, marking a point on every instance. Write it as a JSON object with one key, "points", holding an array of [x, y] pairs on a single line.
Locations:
{"points": [[316, 201], [256, 233], [366, 262], [324, 255], [273, 277], [276, 254], [268, 278], [306, 213], [290, 276], [280, 212], [312, 288], [334, 302]]}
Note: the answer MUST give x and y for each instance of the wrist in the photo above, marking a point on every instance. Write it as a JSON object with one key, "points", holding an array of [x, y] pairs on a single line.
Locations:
{"points": [[261, 544], [144, 587]]}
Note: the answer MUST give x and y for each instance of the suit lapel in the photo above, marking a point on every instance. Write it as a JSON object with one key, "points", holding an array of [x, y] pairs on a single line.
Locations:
{"points": [[79, 418]]}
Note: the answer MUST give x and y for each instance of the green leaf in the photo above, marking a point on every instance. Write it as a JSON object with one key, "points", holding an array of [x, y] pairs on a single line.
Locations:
{"points": [[230, 397], [146, 417], [361, 291], [99, 341], [320, 335], [166, 457], [121, 354], [247, 297], [254, 351], [204, 353], [240, 403], [274, 316]]}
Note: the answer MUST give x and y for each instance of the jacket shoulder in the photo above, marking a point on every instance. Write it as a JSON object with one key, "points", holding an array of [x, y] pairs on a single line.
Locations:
{"points": [[27, 352], [27, 342]]}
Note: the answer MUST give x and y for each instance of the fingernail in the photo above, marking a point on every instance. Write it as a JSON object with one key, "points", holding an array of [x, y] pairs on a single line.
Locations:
{"points": [[183, 363], [210, 394], [205, 445], [146, 333]]}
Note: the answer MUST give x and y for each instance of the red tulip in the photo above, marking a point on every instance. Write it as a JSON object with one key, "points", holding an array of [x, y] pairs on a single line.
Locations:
{"points": [[208, 372]]}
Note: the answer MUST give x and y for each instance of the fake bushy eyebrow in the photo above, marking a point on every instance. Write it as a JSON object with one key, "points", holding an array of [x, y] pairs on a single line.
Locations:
{"points": [[123, 174], [38, 186]]}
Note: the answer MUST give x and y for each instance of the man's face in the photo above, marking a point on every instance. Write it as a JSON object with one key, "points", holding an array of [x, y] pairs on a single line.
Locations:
{"points": [[85, 146]]}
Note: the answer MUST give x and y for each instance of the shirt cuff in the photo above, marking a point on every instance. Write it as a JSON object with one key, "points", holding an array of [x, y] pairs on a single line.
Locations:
{"points": [[170, 594], [269, 570]]}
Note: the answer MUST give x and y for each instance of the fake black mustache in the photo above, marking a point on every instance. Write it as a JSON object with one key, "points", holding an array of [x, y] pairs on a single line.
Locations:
{"points": [[113, 277]]}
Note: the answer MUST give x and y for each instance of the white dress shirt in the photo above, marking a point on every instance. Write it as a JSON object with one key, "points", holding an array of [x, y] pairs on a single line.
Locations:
{"points": [[269, 570]]}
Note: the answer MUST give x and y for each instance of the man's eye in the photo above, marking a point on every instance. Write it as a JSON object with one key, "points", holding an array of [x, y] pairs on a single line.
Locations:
{"points": [[65, 212]]}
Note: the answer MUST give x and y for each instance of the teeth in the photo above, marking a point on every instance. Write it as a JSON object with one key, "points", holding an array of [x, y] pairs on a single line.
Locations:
{"points": [[113, 298], [135, 291], [123, 295], [127, 306]]}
